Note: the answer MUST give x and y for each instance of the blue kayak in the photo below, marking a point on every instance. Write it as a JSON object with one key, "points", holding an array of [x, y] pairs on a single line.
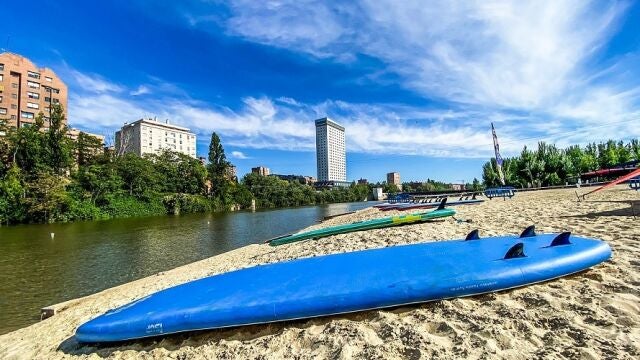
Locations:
{"points": [[349, 282]]}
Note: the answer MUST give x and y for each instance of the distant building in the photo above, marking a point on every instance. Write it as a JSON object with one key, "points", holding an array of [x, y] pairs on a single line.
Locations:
{"points": [[330, 151], [362, 182], [74, 133], [458, 187], [393, 178], [261, 170], [378, 194], [203, 160], [26, 90], [232, 172], [149, 136], [307, 180]]}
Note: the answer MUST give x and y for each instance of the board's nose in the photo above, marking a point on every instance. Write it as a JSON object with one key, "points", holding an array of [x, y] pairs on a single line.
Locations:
{"points": [[91, 331], [105, 328]]}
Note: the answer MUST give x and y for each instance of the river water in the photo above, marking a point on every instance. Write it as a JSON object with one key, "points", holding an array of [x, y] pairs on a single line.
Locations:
{"points": [[82, 258]]}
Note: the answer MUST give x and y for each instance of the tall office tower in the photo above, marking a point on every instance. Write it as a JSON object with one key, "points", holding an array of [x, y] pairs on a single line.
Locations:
{"points": [[26, 90], [330, 151]]}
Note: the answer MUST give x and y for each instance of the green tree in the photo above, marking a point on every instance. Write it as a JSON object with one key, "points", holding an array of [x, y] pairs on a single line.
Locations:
{"points": [[12, 208], [138, 175], [217, 168], [28, 146], [98, 182], [58, 147], [88, 149], [635, 149], [47, 199]]}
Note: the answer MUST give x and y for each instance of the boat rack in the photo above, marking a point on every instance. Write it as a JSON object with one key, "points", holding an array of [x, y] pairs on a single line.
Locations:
{"points": [[503, 192]]}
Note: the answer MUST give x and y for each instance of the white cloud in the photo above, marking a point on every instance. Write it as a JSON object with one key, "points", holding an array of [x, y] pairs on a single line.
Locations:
{"points": [[532, 57], [262, 123], [93, 83], [502, 54], [141, 90], [527, 66], [239, 155]]}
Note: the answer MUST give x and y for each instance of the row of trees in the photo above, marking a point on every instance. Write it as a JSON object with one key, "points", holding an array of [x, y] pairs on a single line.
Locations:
{"points": [[549, 166], [45, 176]]}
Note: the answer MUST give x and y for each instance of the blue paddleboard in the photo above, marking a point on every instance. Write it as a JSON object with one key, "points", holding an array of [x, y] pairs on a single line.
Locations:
{"points": [[348, 282]]}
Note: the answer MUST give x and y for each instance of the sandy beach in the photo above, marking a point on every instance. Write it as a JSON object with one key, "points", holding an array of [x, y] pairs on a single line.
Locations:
{"points": [[590, 315]]}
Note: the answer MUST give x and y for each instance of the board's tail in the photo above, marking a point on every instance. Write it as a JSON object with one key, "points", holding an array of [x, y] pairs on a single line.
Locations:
{"points": [[442, 204]]}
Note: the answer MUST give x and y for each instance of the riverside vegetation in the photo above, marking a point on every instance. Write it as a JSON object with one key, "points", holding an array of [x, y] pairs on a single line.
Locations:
{"points": [[549, 165], [47, 177]]}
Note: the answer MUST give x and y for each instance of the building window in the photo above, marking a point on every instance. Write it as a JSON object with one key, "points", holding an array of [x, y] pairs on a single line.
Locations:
{"points": [[32, 74], [33, 84], [1, 67], [33, 105], [14, 85], [0, 98], [13, 117], [26, 115], [1, 77], [3, 111], [55, 101], [14, 106], [48, 79], [14, 96], [33, 95]]}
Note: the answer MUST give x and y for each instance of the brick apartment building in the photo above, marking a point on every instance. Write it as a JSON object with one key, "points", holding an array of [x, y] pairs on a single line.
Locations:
{"points": [[26, 90]]}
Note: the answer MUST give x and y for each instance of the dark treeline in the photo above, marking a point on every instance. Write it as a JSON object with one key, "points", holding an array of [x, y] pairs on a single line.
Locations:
{"points": [[549, 166], [45, 176]]}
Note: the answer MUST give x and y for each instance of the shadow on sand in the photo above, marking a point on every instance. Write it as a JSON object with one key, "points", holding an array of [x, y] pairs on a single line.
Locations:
{"points": [[173, 342], [632, 210]]}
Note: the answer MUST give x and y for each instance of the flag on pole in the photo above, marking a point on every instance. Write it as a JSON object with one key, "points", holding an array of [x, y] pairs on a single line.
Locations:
{"points": [[499, 160]]}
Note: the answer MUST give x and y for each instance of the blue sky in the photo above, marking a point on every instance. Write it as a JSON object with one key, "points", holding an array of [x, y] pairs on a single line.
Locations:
{"points": [[415, 83]]}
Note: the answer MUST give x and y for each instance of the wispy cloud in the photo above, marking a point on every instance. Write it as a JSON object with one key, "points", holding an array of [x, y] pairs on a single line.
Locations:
{"points": [[239, 155], [501, 54], [532, 67], [92, 83], [264, 123], [141, 90], [538, 58]]}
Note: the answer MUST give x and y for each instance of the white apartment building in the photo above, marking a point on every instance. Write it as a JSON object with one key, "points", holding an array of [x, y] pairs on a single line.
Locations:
{"points": [[330, 151], [150, 136]]}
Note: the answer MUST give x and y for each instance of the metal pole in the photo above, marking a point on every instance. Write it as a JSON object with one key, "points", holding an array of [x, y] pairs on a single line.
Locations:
{"points": [[50, 99]]}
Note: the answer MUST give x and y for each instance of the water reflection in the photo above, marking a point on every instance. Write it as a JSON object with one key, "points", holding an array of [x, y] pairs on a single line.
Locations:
{"points": [[86, 257]]}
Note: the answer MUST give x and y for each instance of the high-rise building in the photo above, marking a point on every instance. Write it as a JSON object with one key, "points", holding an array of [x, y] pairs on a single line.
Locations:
{"points": [[26, 90], [150, 136], [393, 178], [330, 151], [261, 170]]}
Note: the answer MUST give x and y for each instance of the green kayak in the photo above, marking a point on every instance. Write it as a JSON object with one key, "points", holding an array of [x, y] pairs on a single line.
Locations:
{"points": [[364, 225]]}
